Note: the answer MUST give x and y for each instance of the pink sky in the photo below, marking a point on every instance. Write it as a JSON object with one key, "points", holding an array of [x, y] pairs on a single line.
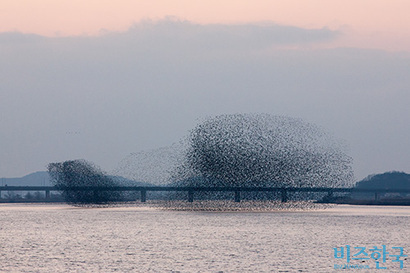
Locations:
{"points": [[381, 24]]}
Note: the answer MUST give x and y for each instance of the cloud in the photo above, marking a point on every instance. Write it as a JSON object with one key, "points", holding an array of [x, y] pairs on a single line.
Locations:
{"points": [[175, 32], [144, 88], [185, 34], [14, 38]]}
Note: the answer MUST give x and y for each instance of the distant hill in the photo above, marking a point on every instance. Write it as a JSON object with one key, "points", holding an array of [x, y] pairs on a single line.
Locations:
{"points": [[43, 179], [33, 179], [388, 180]]}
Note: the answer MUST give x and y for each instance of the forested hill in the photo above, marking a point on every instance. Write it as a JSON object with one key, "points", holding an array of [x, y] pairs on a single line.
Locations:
{"points": [[388, 180]]}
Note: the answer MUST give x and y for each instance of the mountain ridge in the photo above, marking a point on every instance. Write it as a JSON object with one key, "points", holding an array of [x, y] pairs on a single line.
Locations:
{"points": [[387, 180], [42, 178]]}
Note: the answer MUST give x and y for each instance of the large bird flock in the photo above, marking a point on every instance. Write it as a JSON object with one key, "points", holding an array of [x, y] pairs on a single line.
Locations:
{"points": [[246, 150], [240, 150]]}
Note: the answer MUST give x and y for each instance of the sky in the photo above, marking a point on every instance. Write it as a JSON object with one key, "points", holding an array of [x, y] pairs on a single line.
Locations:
{"points": [[103, 79]]}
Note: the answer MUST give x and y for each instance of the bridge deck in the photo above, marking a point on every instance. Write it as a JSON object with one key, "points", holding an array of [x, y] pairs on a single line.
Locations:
{"points": [[190, 190]]}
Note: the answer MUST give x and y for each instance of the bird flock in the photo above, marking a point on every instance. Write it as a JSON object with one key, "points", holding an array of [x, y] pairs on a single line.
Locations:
{"points": [[237, 150]]}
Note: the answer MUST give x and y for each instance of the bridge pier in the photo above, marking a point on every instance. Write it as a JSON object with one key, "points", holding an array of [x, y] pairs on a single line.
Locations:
{"points": [[143, 196], [237, 196], [47, 194], [190, 196], [284, 195]]}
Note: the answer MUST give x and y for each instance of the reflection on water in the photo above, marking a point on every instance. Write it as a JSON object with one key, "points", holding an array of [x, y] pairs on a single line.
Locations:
{"points": [[60, 238], [370, 210]]}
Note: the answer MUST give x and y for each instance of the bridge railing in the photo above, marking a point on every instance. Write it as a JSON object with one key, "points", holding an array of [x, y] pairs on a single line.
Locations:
{"points": [[191, 190]]}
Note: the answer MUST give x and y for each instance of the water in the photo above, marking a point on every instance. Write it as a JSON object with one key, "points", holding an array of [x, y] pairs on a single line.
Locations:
{"points": [[60, 238]]}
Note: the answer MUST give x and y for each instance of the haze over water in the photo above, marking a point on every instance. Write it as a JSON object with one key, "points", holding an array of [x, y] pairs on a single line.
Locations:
{"points": [[60, 238]]}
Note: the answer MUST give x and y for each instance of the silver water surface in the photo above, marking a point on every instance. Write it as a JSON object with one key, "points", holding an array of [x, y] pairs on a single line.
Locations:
{"points": [[60, 238]]}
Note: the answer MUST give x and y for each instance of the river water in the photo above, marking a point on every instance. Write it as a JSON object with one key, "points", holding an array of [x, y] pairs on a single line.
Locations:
{"points": [[61, 238]]}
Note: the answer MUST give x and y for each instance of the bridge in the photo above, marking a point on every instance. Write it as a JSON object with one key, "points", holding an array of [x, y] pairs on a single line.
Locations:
{"points": [[191, 190]]}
